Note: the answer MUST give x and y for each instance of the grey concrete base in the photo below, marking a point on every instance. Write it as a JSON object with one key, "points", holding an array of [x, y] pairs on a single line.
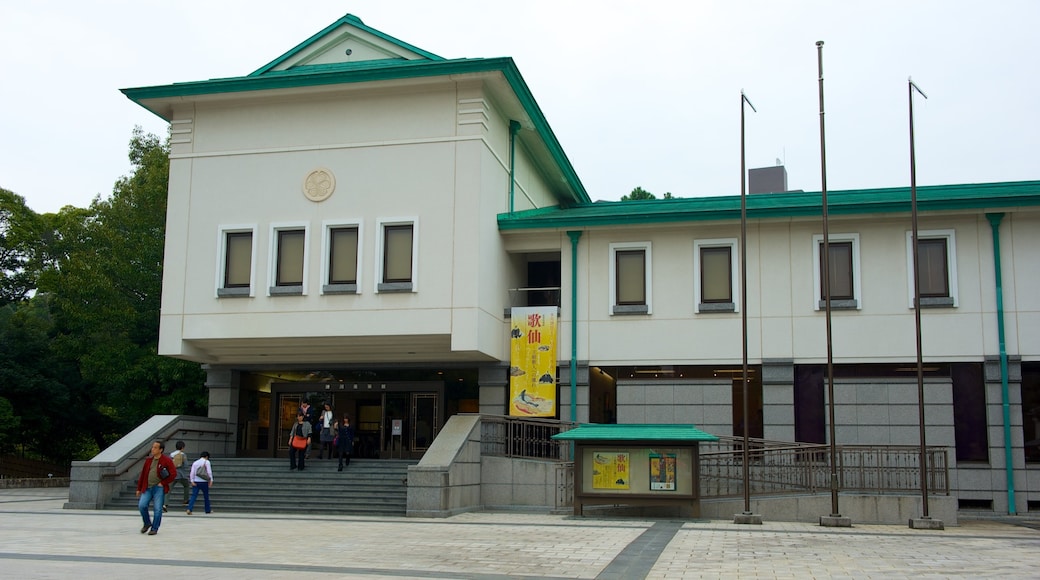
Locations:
{"points": [[926, 524], [835, 522], [747, 518], [863, 509]]}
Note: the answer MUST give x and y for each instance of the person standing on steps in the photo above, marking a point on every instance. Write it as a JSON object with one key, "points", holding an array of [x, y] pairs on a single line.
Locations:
{"points": [[180, 459], [201, 480], [308, 417], [327, 434], [153, 484], [344, 441], [297, 455]]}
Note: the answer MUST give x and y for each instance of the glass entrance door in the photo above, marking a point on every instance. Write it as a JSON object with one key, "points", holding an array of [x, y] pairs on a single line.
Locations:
{"points": [[425, 420]]}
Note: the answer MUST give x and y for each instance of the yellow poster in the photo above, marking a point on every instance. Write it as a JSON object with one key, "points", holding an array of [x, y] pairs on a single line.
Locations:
{"points": [[610, 471], [662, 472], [532, 362]]}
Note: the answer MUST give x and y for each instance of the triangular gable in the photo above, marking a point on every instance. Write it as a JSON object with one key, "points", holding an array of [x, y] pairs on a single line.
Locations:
{"points": [[344, 42]]}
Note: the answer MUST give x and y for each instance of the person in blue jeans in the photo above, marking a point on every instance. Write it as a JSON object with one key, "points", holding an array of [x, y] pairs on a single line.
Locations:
{"points": [[201, 476], [153, 485]]}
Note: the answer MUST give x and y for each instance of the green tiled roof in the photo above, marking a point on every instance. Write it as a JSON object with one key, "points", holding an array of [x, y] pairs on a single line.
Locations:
{"points": [[157, 99], [634, 432], [975, 196]]}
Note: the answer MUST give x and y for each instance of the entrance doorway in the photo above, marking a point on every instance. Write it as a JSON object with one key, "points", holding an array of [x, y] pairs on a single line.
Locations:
{"points": [[391, 420]]}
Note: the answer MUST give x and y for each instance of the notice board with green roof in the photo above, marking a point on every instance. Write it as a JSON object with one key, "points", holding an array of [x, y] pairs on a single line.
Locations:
{"points": [[637, 465]]}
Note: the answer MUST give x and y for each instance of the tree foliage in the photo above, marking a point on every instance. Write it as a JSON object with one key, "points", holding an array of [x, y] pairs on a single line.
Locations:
{"points": [[640, 194], [21, 234], [83, 368]]}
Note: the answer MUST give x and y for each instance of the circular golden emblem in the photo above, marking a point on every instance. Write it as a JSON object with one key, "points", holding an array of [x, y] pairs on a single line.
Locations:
{"points": [[319, 185]]}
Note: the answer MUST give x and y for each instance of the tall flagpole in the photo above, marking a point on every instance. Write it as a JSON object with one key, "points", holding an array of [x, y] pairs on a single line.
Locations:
{"points": [[925, 521], [835, 519], [747, 517]]}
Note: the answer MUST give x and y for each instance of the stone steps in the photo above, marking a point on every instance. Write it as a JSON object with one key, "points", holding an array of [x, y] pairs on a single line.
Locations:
{"points": [[375, 487]]}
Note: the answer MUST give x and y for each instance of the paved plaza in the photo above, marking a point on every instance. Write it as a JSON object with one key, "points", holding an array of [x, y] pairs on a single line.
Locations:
{"points": [[39, 539]]}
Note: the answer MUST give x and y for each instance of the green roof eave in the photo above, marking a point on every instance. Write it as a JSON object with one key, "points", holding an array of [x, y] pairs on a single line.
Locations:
{"points": [[778, 205], [352, 21], [635, 432], [393, 70]]}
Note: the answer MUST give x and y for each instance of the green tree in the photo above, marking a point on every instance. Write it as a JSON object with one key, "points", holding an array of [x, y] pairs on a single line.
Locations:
{"points": [[105, 279], [20, 241], [638, 194]]}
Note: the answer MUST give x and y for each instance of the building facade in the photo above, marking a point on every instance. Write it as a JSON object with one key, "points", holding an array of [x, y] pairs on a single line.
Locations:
{"points": [[355, 221]]}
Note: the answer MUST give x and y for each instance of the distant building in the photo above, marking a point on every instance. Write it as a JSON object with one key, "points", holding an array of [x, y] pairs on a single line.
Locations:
{"points": [[354, 222]]}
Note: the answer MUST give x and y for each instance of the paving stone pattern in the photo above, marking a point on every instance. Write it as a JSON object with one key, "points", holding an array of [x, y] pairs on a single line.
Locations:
{"points": [[39, 539]]}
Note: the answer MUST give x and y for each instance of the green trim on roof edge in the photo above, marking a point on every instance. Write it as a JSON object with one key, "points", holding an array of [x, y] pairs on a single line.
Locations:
{"points": [[777, 205], [353, 21], [393, 70], [635, 432]]}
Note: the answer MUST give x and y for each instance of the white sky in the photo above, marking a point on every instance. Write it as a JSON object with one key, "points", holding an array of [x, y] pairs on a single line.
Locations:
{"points": [[639, 93]]}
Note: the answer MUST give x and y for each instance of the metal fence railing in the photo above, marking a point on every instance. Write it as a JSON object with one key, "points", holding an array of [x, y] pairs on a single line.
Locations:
{"points": [[522, 437], [776, 467]]}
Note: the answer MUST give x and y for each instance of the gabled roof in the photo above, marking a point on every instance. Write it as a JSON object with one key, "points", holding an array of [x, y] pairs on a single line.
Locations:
{"points": [[634, 432], [985, 196], [322, 60], [346, 41]]}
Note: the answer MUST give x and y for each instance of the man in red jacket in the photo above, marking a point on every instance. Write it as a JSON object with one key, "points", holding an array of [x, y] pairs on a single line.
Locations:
{"points": [[153, 485]]}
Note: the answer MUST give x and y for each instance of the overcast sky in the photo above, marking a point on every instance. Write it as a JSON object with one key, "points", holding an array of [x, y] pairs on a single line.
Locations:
{"points": [[638, 93]]}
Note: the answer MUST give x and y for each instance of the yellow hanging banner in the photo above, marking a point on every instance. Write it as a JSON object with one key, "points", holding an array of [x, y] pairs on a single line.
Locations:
{"points": [[532, 362]]}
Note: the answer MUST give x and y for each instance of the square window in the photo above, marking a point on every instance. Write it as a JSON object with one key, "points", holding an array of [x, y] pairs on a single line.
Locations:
{"points": [[290, 252], [936, 268], [932, 269], [343, 255], [715, 263], [840, 271], [630, 278], [235, 269], [844, 272], [397, 256]]}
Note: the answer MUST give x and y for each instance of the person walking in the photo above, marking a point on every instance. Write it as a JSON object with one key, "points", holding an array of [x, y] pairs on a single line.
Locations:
{"points": [[344, 441], [299, 443], [180, 460], [327, 434], [201, 480], [153, 484]]}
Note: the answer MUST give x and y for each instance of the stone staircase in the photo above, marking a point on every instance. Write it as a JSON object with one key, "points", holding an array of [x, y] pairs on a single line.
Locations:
{"points": [[376, 487]]}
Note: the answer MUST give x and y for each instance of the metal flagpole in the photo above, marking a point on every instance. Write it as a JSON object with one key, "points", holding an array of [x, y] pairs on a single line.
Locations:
{"points": [[835, 519], [747, 517], [926, 520]]}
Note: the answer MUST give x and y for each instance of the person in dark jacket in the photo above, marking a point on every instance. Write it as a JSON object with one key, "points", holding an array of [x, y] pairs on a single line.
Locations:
{"points": [[153, 485], [344, 441]]}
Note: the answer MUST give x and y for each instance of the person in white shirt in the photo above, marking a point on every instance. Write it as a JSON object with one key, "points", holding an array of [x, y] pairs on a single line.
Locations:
{"points": [[201, 476], [327, 435], [180, 459]]}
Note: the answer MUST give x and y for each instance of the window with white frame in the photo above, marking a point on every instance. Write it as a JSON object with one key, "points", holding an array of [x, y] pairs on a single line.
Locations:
{"points": [[715, 265], [235, 266], [936, 268], [630, 275], [398, 248], [844, 272], [342, 247], [289, 259]]}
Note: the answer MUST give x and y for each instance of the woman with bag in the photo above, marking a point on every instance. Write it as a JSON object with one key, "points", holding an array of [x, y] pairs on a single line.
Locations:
{"points": [[325, 421], [299, 442], [201, 476]]}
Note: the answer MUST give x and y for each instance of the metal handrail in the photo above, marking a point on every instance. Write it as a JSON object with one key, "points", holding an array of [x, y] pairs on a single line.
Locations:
{"points": [[504, 436], [805, 468]]}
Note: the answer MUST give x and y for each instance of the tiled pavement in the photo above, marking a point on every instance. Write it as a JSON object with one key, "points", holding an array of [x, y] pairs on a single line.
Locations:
{"points": [[39, 539]]}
